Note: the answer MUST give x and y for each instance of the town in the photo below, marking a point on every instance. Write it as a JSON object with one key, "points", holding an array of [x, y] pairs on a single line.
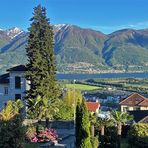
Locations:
{"points": [[40, 110]]}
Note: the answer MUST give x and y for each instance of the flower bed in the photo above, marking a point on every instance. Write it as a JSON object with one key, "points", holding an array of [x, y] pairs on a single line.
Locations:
{"points": [[42, 135]]}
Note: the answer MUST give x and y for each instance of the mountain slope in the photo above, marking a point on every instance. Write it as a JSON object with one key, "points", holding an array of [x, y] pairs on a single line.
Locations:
{"points": [[79, 49]]}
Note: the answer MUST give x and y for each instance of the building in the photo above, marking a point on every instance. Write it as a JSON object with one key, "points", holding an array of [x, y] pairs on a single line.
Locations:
{"points": [[134, 102], [93, 106], [13, 84], [139, 116]]}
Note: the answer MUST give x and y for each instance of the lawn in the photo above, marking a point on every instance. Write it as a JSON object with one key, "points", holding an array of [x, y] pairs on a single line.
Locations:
{"points": [[81, 86]]}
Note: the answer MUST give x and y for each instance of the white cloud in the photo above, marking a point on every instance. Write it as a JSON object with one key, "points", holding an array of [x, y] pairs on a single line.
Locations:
{"points": [[110, 29]]}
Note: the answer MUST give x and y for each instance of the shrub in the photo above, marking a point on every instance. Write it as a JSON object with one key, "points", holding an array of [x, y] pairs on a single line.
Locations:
{"points": [[94, 142], [30, 133], [40, 134], [138, 135], [12, 130], [12, 133]]}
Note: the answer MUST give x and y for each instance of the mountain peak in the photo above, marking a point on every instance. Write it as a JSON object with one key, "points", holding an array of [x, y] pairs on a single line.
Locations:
{"points": [[58, 27], [13, 32]]}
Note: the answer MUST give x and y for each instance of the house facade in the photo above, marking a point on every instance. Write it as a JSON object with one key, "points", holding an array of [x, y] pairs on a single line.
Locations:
{"points": [[13, 84], [134, 102]]}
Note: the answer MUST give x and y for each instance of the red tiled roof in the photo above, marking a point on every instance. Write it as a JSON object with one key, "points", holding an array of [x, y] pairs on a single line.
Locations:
{"points": [[93, 106], [144, 103], [134, 100]]}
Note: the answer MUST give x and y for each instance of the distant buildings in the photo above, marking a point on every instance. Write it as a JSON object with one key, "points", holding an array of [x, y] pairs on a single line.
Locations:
{"points": [[137, 106], [134, 102]]}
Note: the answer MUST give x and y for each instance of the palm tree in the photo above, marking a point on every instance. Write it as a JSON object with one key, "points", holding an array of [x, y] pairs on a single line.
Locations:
{"points": [[11, 109], [92, 118], [102, 122], [43, 108], [120, 118], [48, 109]]}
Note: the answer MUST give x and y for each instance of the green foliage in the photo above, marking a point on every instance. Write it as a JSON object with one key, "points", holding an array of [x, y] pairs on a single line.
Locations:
{"points": [[10, 110], [75, 45], [65, 112], [110, 136], [94, 142], [82, 126], [11, 129], [138, 135], [42, 108], [30, 131], [72, 97], [41, 61], [121, 117]]}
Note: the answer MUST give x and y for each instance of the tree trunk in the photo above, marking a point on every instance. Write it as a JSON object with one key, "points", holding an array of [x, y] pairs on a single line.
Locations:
{"points": [[92, 130], [102, 137], [47, 122], [119, 128]]}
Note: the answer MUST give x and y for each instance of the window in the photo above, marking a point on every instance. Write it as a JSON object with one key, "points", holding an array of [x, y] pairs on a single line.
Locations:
{"points": [[6, 90], [125, 109], [17, 96], [17, 82]]}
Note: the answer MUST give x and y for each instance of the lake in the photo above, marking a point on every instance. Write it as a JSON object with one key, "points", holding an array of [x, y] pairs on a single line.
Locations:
{"points": [[103, 75]]}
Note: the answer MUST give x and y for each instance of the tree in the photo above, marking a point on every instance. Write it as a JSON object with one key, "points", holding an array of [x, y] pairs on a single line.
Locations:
{"points": [[120, 118], [41, 69], [11, 109], [138, 135], [82, 126], [11, 128], [94, 139], [65, 112], [72, 96], [102, 122], [43, 108], [92, 118]]}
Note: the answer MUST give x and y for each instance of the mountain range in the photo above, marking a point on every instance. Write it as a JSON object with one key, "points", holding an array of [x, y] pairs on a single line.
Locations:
{"points": [[82, 50]]}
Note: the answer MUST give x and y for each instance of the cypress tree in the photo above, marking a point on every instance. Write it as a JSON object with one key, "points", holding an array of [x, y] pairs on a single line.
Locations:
{"points": [[41, 68], [82, 126]]}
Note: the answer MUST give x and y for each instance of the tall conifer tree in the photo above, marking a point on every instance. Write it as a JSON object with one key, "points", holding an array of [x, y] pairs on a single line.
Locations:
{"points": [[41, 61], [82, 126]]}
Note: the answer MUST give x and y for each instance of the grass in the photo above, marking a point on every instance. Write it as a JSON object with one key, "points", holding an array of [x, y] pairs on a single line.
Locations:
{"points": [[81, 87]]}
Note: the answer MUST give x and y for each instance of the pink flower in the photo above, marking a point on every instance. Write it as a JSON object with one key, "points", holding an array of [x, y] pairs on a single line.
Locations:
{"points": [[35, 139]]}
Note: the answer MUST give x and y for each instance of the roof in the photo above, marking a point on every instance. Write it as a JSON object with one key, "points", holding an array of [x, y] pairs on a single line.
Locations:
{"points": [[4, 79], [18, 68], [93, 106], [139, 115], [144, 120], [135, 100]]}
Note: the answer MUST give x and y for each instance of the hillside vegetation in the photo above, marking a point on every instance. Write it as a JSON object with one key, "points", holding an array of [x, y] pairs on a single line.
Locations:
{"points": [[82, 50]]}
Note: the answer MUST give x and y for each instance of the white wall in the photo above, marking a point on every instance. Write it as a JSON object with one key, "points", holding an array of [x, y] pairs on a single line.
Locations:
{"points": [[3, 97], [11, 88]]}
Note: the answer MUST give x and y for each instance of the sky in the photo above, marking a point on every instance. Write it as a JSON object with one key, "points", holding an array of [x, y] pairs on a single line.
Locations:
{"points": [[103, 15]]}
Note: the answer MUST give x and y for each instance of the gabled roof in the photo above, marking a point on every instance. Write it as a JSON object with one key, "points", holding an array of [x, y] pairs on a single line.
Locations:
{"points": [[144, 120], [144, 103], [4, 79], [18, 68], [135, 100], [93, 106], [139, 115]]}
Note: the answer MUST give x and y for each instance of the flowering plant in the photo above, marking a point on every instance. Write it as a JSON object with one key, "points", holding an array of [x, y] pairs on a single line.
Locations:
{"points": [[45, 136]]}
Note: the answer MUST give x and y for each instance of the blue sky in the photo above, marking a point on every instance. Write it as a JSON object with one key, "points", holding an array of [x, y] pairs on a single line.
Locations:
{"points": [[103, 15]]}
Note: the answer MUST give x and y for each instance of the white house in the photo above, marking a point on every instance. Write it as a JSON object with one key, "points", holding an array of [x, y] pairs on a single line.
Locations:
{"points": [[13, 84]]}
